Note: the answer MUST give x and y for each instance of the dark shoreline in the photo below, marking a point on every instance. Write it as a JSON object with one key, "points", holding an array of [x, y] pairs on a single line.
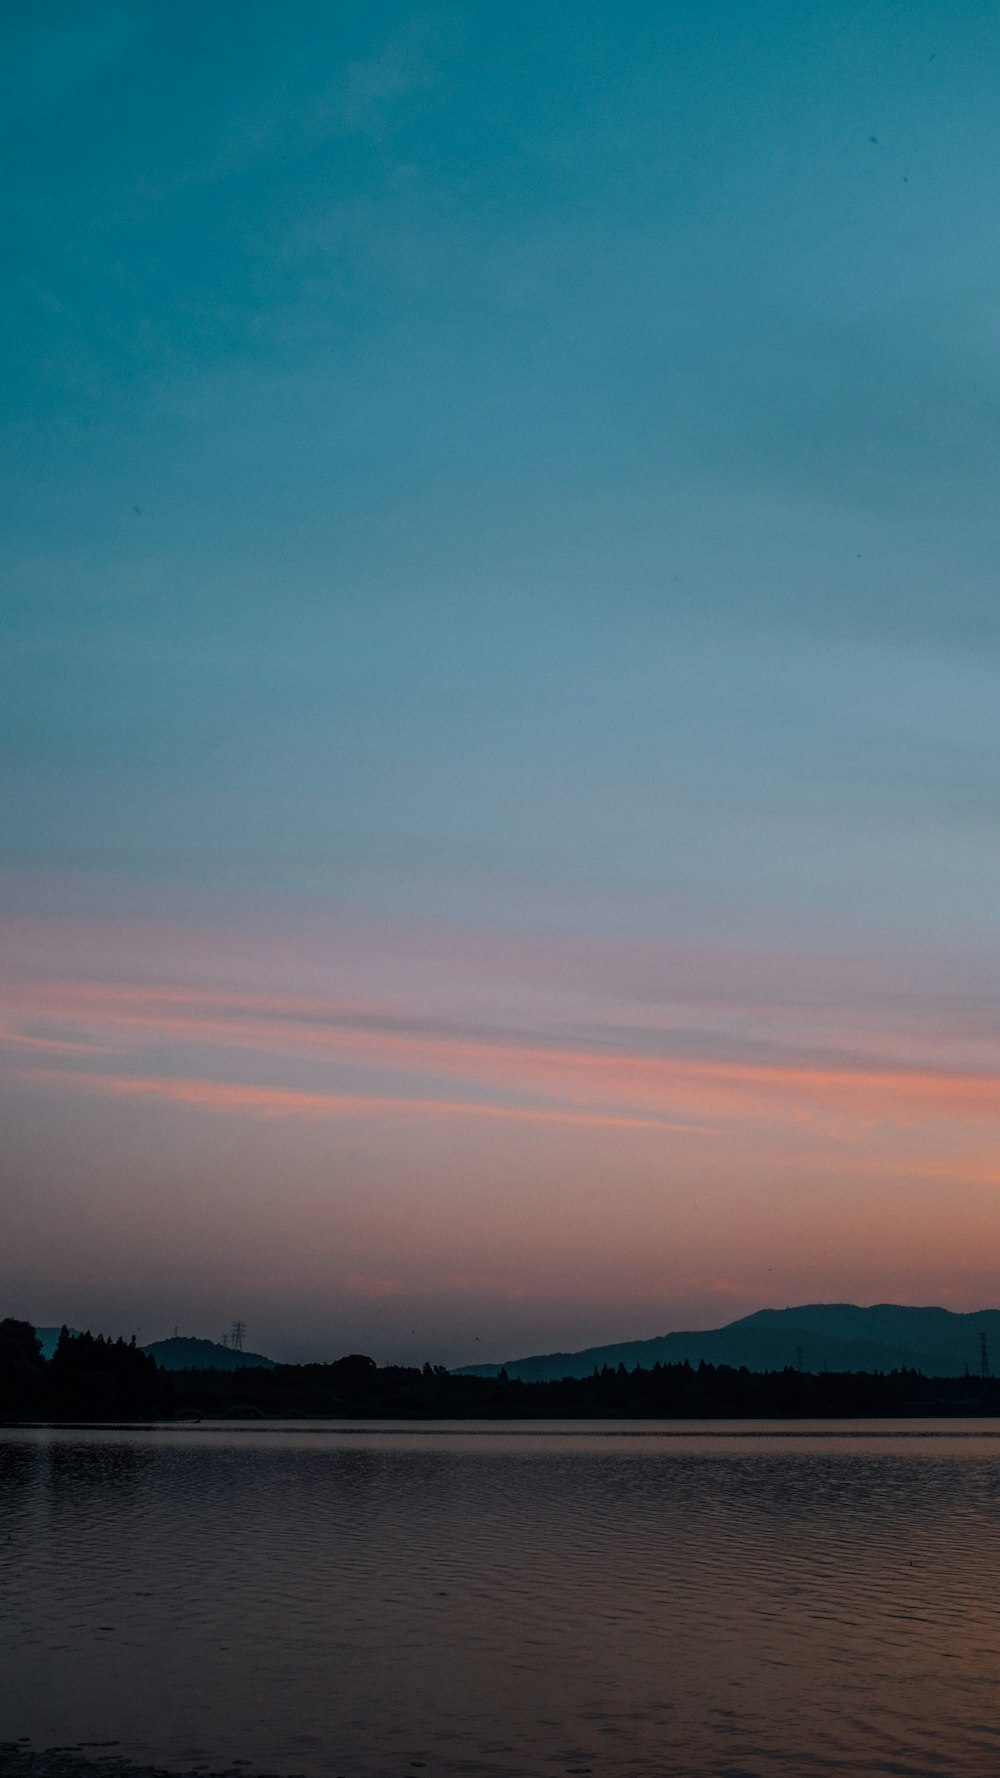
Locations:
{"points": [[97, 1380], [914, 1423], [346, 1420]]}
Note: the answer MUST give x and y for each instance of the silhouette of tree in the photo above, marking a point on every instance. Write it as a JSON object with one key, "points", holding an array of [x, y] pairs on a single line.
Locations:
{"points": [[95, 1378], [22, 1370]]}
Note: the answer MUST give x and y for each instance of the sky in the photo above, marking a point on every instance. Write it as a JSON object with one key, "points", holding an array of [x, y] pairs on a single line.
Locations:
{"points": [[499, 718]]}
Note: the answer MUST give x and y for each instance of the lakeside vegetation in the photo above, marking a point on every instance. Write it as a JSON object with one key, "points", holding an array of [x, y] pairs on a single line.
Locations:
{"points": [[88, 1377], [92, 1378]]}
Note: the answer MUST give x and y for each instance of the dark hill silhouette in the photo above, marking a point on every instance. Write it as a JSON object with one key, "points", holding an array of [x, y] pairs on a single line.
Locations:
{"points": [[812, 1337], [181, 1353]]}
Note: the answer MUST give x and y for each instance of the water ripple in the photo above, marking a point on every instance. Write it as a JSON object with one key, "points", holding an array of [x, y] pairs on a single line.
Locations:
{"points": [[491, 1602]]}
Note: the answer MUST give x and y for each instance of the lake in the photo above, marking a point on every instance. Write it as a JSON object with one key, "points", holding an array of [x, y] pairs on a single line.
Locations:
{"points": [[500, 1599]]}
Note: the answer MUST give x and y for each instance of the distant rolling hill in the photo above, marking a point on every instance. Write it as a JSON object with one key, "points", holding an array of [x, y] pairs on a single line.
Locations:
{"points": [[813, 1337], [179, 1353], [184, 1354]]}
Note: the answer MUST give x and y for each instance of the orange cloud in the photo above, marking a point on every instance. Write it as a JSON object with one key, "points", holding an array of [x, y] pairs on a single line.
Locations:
{"points": [[632, 1085], [272, 1102]]}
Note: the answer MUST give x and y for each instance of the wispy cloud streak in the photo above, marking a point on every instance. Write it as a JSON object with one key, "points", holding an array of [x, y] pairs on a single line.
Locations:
{"points": [[615, 1073], [276, 1102]]}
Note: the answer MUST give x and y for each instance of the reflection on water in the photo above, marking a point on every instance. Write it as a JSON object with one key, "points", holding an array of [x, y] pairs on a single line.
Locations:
{"points": [[497, 1601]]}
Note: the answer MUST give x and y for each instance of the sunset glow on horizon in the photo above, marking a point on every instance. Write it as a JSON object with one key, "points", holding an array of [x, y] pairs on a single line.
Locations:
{"points": [[409, 1150]]}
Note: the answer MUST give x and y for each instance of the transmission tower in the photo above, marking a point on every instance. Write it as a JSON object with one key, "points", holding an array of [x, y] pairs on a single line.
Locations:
{"points": [[984, 1356], [237, 1331]]}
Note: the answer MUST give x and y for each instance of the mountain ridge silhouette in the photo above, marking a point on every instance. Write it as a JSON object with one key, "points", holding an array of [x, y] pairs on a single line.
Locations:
{"points": [[183, 1352], [810, 1337]]}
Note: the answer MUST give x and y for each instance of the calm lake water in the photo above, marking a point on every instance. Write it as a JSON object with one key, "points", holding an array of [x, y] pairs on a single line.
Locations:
{"points": [[507, 1599]]}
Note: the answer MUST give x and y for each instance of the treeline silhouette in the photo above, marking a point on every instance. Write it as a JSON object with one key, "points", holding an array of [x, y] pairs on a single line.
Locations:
{"points": [[356, 1386], [91, 1378], [87, 1378]]}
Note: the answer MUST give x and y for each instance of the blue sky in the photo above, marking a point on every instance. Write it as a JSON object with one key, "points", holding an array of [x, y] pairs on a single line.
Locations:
{"points": [[504, 470]]}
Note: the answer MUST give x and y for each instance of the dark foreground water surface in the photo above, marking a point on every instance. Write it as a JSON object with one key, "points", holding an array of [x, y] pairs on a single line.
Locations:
{"points": [[499, 1600]]}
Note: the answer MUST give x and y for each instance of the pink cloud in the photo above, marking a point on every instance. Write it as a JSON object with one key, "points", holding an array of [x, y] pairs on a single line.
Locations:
{"points": [[272, 1102], [420, 1023], [627, 1085]]}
